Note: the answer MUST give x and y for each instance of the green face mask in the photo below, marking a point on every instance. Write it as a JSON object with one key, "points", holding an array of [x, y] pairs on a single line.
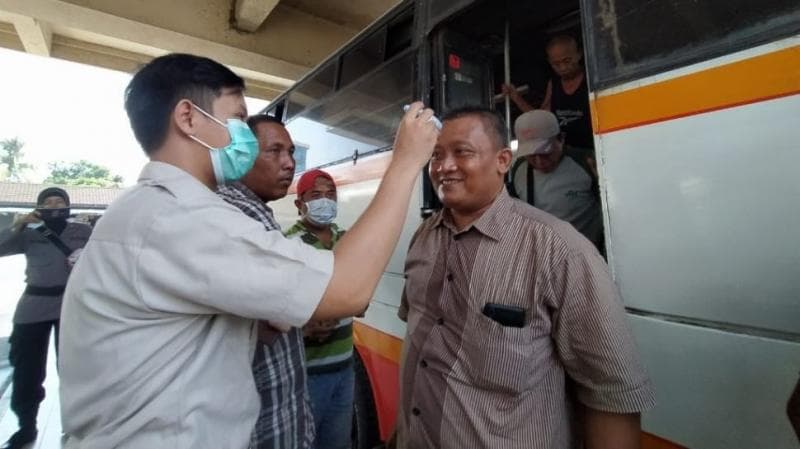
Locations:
{"points": [[234, 160]]}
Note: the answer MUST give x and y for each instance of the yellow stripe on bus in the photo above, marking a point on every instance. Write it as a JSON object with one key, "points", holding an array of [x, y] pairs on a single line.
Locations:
{"points": [[761, 78]]}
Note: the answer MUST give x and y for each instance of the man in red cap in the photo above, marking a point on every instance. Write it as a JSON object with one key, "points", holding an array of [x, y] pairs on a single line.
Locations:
{"points": [[328, 343]]}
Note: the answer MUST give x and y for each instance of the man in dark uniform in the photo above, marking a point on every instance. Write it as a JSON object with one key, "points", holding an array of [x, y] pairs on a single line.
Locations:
{"points": [[567, 94], [50, 245]]}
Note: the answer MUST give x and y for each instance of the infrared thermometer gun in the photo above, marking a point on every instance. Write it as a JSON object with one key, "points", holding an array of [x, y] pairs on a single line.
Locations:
{"points": [[436, 122]]}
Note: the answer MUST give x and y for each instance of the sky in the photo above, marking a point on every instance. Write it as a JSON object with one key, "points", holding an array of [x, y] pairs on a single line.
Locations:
{"points": [[65, 111]]}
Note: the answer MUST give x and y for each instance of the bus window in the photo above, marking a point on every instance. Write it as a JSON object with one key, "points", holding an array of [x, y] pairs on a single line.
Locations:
{"points": [[274, 109], [358, 119], [439, 9], [300, 151], [366, 55], [312, 89], [630, 41], [399, 33]]}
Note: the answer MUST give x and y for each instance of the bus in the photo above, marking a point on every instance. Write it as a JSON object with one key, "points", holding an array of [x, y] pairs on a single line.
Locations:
{"points": [[696, 121]]}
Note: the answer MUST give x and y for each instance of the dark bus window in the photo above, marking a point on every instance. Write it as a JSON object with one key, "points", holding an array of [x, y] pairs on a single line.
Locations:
{"points": [[364, 57], [439, 10], [359, 118], [632, 39], [399, 34], [312, 89]]}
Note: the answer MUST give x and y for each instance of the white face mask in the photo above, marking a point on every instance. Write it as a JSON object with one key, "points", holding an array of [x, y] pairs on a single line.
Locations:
{"points": [[321, 211]]}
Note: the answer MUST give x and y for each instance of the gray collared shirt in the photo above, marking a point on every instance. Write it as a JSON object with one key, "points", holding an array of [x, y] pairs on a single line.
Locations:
{"points": [[158, 332]]}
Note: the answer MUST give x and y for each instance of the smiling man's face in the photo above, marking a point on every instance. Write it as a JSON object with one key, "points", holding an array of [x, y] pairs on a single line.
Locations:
{"points": [[468, 165]]}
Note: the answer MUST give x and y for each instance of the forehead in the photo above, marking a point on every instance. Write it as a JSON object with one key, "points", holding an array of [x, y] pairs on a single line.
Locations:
{"points": [[470, 129], [53, 198], [562, 49], [272, 132]]}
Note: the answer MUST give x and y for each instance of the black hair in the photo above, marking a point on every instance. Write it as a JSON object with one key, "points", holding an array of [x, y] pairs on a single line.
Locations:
{"points": [[254, 120], [157, 87], [493, 124]]}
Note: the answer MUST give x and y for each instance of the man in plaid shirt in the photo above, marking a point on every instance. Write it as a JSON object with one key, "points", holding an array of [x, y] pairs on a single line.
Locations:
{"points": [[285, 420]]}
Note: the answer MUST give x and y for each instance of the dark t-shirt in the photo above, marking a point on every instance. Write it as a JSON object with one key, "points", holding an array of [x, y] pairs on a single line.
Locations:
{"points": [[573, 114]]}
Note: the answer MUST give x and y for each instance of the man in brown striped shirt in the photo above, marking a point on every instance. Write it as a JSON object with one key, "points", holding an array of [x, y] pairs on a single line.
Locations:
{"points": [[517, 337]]}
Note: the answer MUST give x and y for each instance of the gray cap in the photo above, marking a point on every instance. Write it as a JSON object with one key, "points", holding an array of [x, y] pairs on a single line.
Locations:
{"points": [[535, 131]]}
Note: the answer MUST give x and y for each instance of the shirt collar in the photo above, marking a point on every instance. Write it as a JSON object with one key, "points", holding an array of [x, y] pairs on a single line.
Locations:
{"points": [[489, 224], [239, 189], [175, 180]]}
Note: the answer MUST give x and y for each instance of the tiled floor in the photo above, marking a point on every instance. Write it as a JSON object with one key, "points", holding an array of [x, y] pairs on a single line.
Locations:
{"points": [[49, 412]]}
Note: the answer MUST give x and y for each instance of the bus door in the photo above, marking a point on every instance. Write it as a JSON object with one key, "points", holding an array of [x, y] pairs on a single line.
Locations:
{"points": [[462, 76], [462, 73]]}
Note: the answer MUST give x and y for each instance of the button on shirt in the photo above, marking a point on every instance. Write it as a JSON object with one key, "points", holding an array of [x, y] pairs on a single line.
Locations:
{"points": [[469, 381], [157, 330]]}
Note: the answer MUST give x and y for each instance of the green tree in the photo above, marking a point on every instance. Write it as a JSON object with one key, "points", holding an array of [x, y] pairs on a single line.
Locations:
{"points": [[82, 173], [11, 155]]}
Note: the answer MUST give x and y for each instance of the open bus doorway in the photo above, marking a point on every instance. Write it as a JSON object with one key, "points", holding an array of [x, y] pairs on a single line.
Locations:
{"points": [[493, 43]]}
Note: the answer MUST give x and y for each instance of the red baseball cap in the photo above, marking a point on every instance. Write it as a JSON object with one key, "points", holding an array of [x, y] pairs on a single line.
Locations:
{"points": [[306, 181]]}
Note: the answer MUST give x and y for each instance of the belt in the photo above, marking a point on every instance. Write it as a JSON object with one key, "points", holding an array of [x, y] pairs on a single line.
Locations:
{"points": [[45, 291]]}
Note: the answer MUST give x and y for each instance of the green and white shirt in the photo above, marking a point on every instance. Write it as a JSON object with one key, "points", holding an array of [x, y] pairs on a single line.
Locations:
{"points": [[335, 352]]}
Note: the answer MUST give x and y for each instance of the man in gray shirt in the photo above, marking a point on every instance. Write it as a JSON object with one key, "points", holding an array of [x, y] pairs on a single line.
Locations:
{"points": [[47, 239], [554, 177]]}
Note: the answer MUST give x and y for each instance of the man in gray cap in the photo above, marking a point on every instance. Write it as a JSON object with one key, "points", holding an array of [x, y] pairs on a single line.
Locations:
{"points": [[48, 240], [554, 177]]}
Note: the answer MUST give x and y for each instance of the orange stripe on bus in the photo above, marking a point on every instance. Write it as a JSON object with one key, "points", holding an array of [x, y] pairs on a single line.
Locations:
{"points": [[761, 78], [650, 441], [381, 343], [372, 167]]}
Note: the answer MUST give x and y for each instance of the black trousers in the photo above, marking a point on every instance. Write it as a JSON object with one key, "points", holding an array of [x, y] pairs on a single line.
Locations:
{"points": [[28, 356]]}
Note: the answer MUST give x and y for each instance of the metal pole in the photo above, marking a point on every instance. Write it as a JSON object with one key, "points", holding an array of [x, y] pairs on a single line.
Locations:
{"points": [[507, 75]]}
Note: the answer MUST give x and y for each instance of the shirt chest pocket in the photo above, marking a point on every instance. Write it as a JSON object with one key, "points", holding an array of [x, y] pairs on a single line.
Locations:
{"points": [[499, 358]]}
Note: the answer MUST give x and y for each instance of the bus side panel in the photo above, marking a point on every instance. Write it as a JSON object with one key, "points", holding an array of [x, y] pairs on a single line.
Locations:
{"points": [[717, 390], [703, 215]]}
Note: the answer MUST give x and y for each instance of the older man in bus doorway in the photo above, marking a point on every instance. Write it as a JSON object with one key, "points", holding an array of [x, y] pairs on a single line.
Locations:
{"points": [[285, 420], [158, 331], [49, 243], [567, 94], [328, 343], [555, 177], [516, 337]]}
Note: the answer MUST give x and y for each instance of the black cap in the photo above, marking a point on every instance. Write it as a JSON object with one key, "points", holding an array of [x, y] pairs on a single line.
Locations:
{"points": [[52, 191]]}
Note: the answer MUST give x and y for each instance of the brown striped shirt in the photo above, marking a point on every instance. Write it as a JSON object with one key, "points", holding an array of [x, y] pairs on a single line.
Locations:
{"points": [[469, 381]]}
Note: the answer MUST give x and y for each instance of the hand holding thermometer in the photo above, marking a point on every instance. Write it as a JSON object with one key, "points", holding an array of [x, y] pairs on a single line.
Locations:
{"points": [[436, 122]]}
